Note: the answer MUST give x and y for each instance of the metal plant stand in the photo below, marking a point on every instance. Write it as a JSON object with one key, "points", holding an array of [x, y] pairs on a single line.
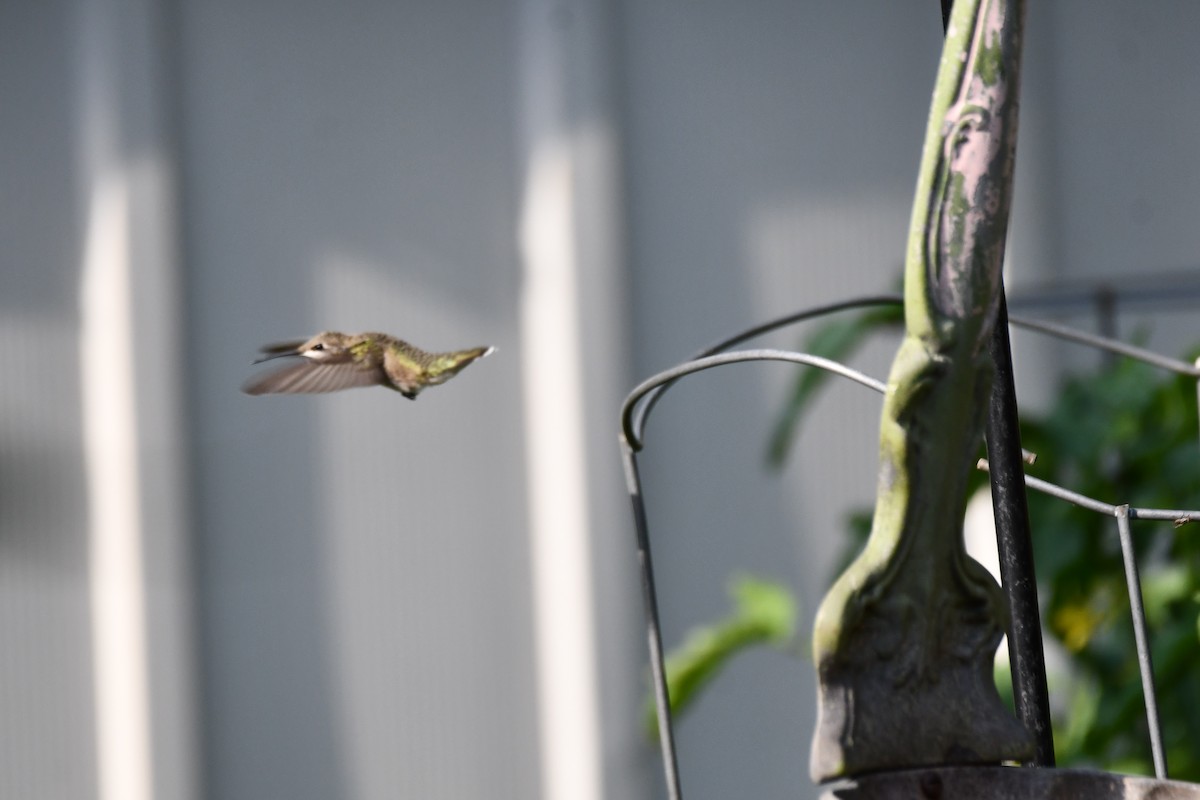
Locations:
{"points": [[904, 640]]}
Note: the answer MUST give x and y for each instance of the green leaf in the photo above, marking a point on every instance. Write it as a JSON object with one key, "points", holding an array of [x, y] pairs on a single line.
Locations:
{"points": [[1162, 588], [836, 340], [764, 613]]}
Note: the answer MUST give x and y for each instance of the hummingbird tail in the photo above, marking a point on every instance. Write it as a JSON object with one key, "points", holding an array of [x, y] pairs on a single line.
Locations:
{"points": [[446, 365]]}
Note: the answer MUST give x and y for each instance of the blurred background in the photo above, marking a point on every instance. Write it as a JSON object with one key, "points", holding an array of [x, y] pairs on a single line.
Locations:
{"points": [[207, 595]]}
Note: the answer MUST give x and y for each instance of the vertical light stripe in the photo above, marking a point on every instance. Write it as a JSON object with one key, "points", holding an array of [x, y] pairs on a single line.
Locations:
{"points": [[559, 530], [132, 414], [115, 535]]}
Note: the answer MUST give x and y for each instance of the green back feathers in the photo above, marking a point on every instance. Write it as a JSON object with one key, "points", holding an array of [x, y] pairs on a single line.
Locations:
{"points": [[362, 347]]}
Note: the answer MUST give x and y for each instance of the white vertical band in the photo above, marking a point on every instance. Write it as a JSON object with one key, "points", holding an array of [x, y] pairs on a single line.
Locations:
{"points": [[566, 240], [117, 573], [130, 330], [558, 508]]}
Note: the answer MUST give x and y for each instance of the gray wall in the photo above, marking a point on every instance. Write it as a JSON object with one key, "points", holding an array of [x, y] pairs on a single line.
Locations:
{"points": [[364, 577], [46, 733]]}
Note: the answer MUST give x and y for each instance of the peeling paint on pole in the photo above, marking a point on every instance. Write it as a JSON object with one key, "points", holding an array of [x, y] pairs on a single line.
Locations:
{"points": [[904, 641]]}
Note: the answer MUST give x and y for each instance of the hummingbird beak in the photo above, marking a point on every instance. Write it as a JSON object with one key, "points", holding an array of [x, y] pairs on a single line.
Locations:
{"points": [[274, 356]]}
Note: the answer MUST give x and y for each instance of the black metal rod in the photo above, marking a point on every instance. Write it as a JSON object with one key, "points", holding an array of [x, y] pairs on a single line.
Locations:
{"points": [[1015, 548], [947, 5]]}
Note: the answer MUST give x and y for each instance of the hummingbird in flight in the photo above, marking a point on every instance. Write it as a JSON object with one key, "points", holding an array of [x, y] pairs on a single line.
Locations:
{"points": [[331, 361]]}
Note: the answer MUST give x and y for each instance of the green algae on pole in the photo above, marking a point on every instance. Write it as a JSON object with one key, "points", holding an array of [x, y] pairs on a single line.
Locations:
{"points": [[904, 641]]}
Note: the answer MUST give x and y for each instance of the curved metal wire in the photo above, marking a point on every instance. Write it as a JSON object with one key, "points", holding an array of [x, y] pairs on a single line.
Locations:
{"points": [[632, 425], [639, 421], [630, 445], [634, 430]]}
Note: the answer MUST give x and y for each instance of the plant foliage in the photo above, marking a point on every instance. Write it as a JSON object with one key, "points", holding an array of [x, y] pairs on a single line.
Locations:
{"points": [[763, 612], [1123, 434]]}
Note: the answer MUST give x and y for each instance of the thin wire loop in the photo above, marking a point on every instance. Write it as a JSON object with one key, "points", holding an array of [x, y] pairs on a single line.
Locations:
{"points": [[632, 427], [639, 422], [634, 430]]}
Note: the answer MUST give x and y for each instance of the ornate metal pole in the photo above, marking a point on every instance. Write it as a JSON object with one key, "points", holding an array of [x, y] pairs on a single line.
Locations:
{"points": [[905, 640]]}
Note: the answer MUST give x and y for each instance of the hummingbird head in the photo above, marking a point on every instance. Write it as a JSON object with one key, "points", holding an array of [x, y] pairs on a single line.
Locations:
{"points": [[327, 346], [324, 347]]}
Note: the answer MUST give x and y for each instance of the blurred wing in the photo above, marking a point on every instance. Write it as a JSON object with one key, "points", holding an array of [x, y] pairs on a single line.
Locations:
{"points": [[309, 377], [280, 348]]}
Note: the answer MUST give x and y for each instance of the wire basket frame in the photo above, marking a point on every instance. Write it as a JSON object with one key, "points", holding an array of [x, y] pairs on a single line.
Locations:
{"points": [[641, 401]]}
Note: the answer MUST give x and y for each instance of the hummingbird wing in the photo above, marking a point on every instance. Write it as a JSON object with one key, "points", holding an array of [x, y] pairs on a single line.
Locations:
{"points": [[311, 377], [270, 351]]}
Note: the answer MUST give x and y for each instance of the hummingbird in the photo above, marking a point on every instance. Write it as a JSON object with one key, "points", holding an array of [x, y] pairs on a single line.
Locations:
{"points": [[331, 361]]}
